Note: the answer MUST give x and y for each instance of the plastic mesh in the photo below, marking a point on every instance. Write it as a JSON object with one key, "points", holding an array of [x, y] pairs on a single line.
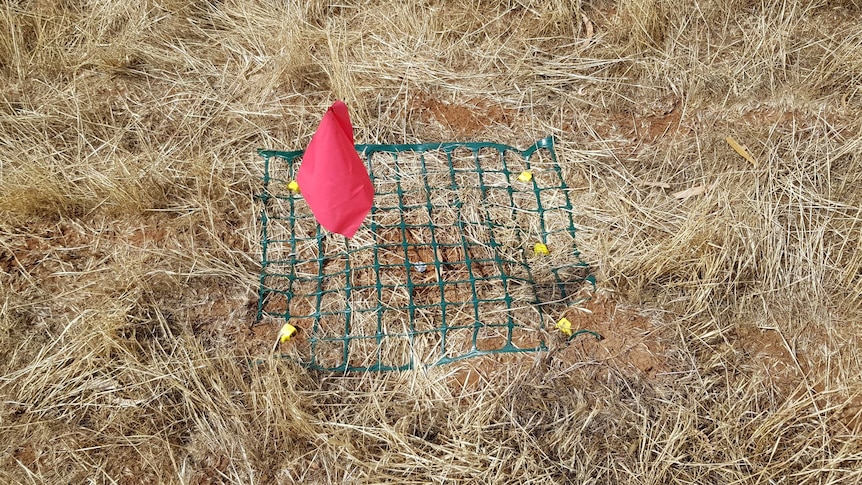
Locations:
{"points": [[444, 268]]}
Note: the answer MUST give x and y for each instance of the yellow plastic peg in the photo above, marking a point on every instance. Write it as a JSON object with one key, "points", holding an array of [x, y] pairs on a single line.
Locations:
{"points": [[286, 332], [541, 250], [525, 176], [293, 186], [565, 326]]}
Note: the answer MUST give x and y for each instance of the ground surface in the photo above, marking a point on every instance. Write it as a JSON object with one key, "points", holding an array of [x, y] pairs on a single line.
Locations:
{"points": [[728, 288]]}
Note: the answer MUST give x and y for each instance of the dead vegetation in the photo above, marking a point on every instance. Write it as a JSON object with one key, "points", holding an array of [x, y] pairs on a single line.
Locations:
{"points": [[128, 240]]}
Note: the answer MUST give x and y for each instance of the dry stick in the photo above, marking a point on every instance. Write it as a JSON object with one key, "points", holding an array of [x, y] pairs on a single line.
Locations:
{"points": [[740, 150]]}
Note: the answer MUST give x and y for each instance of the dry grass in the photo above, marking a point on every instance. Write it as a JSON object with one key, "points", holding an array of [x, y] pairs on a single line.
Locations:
{"points": [[128, 238]]}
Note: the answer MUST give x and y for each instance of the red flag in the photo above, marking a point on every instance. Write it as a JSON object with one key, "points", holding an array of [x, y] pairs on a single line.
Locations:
{"points": [[332, 177]]}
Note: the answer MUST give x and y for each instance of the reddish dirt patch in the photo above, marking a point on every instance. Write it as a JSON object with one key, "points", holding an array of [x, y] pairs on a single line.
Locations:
{"points": [[463, 119], [662, 125], [768, 349], [153, 234], [631, 130], [800, 376], [629, 339], [223, 317], [473, 375]]}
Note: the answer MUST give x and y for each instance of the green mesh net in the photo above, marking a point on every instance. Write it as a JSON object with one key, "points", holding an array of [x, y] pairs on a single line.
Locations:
{"points": [[469, 250]]}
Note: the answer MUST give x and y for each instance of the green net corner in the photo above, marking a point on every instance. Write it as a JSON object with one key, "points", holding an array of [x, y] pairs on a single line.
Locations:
{"points": [[445, 267]]}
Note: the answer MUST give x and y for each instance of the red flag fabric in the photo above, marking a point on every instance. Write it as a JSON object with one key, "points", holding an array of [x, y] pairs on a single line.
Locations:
{"points": [[332, 178]]}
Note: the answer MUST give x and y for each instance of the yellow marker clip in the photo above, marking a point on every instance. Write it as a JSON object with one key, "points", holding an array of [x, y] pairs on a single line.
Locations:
{"points": [[525, 176], [293, 186], [541, 250], [565, 326], [286, 332]]}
